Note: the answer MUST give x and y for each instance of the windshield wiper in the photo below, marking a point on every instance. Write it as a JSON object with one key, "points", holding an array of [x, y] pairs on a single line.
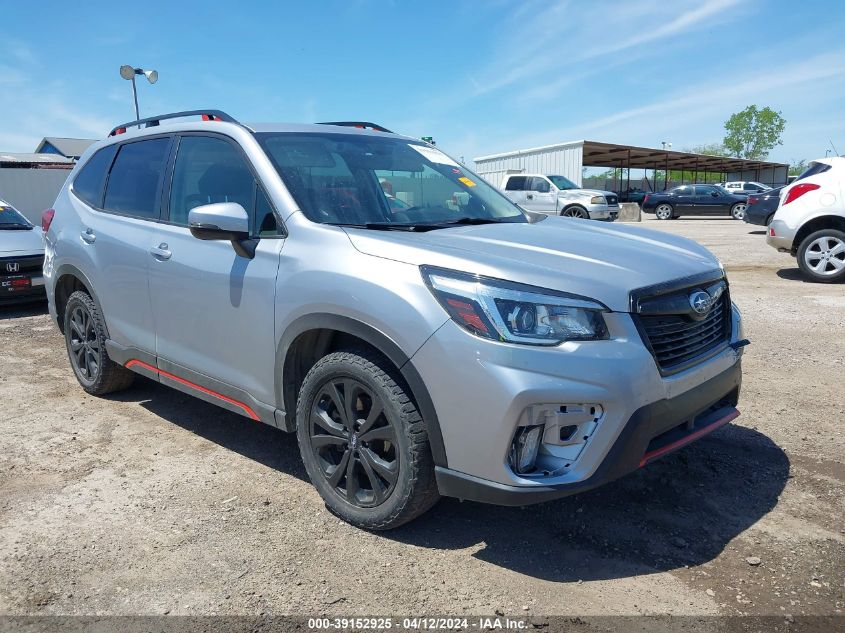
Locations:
{"points": [[468, 220], [419, 226], [15, 225]]}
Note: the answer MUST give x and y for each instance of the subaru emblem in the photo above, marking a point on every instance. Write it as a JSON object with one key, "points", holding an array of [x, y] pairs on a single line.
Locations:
{"points": [[700, 302]]}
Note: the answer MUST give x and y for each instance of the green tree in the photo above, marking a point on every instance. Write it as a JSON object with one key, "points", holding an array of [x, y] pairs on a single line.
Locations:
{"points": [[709, 149], [753, 132], [797, 167]]}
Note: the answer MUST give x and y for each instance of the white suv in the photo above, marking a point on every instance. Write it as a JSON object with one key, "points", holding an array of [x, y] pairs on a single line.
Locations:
{"points": [[810, 220], [557, 195]]}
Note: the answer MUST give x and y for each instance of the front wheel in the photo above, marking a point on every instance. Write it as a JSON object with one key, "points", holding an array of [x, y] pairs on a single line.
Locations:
{"points": [[821, 256], [363, 441], [664, 212], [575, 211], [738, 211]]}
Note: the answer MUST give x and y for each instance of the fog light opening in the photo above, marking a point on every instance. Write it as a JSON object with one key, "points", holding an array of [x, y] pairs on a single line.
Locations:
{"points": [[524, 449]]}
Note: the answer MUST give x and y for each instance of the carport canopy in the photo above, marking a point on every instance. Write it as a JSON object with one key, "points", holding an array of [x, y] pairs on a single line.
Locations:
{"points": [[597, 154]]}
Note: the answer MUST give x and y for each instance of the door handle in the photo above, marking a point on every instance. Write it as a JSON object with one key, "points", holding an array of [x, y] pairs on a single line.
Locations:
{"points": [[88, 236], [161, 252], [530, 196]]}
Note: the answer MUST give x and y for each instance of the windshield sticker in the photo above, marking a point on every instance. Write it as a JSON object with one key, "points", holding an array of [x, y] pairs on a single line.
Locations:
{"points": [[467, 181], [433, 155]]}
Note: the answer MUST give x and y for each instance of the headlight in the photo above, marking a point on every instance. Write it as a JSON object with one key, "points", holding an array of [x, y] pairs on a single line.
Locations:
{"points": [[598, 200], [515, 313]]}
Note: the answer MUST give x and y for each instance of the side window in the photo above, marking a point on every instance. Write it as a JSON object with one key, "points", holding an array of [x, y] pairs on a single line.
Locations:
{"points": [[265, 223], [208, 170], [704, 191], [516, 183], [88, 184], [540, 185], [683, 191], [133, 183]]}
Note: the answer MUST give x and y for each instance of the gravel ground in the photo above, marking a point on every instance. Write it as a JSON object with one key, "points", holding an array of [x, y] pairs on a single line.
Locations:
{"points": [[151, 502]]}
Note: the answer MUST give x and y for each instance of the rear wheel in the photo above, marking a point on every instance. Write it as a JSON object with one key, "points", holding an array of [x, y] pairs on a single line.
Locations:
{"points": [[665, 212], [363, 441], [821, 256], [738, 211], [575, 211], [85, 338]]}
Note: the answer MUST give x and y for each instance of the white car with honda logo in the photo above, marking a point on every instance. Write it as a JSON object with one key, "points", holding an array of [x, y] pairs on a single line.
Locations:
{"points": [[21, 257], [810, 220]]}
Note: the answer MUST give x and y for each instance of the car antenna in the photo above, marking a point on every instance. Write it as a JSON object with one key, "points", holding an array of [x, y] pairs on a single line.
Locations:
{"points": [[833, 146]]}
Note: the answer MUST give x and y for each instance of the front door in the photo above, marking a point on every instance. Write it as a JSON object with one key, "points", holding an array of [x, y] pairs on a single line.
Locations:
{"points": [[709, 200], [214, 310], [541, 197]]}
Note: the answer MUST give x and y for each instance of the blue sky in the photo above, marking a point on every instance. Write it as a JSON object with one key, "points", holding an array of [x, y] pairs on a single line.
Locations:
{"points": [[481, 76]]}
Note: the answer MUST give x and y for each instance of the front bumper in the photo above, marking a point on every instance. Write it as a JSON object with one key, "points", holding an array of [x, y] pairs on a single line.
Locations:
{"points": [[780, 236], [10, 295], [482, 390], [602, 212], [651, 432]]}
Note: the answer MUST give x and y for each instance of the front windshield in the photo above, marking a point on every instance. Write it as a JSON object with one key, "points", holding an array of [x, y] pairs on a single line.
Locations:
{"points": [[563, 183], [11, 219], [362, 180]]}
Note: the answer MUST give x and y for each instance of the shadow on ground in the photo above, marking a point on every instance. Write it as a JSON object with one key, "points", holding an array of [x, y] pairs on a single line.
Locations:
{"points": [[792, 274], [682, 510], [254, 440], [756, 232], [23, 310]]}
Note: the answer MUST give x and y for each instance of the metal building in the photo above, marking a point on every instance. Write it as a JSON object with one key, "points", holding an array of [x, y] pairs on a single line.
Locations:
{"points": [[569, 159], [31, 182]]}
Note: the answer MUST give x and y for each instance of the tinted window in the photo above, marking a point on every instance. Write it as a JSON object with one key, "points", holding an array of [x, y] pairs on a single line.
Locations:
{"points": [[705, 191], [208, 170], [88, 184], [516, 183], [540, 185], [812, 170], [682, 191], [135, 176], [265, 220]]}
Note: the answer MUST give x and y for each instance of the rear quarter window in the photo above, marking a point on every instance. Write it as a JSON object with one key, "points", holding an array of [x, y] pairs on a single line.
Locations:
{"points": [[88, 184], [516, 183]]}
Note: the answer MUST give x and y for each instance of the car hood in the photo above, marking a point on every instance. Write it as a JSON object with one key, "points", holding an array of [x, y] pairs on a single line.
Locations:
{"points": [[21, 242], [603, 262]]}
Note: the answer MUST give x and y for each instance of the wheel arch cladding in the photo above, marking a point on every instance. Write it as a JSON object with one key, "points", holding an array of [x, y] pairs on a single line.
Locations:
{"points": [[69, 279], [312, 336], [817, 224]]}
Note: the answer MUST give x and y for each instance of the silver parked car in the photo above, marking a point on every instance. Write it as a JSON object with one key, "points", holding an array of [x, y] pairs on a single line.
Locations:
{"points": [[21, 258], [452, 344]]}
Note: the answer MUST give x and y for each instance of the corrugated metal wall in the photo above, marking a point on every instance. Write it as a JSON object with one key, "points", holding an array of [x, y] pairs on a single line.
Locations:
{"points": [[565, 160], [31, 191], [774, 177]]}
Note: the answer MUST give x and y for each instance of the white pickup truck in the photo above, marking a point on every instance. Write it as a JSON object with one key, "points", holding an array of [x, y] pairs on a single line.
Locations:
{"points": [[556, 195]]}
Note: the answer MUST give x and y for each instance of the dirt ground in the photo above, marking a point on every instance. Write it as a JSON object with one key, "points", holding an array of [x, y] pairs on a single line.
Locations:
{"points": [[151, 502]]}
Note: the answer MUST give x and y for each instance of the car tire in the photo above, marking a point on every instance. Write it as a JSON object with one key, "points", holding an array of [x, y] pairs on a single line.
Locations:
{"points": [[85, 339], [738, 211], [575, 211], [665, 211], [821, 256], [377, 479]]}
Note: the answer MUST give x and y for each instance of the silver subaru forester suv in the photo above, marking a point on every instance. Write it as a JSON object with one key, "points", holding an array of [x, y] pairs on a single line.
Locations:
{"points": [[420, 333]]}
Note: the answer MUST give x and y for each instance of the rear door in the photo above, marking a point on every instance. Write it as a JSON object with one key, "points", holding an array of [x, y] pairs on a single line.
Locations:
{"points": [[540, 197], [214, 310], [683, 199], [515, 189], [115, 234]]}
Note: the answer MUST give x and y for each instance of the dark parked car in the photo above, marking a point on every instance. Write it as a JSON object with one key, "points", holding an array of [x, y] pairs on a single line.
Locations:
{"points": [[634, 194], [762, 206], [695, 200]]}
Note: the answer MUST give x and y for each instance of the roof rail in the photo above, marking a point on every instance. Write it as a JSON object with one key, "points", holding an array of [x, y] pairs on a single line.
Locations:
{"points": [[207, 115], [364, 125]]}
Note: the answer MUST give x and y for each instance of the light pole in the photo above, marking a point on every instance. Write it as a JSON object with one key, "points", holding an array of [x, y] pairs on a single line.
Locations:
{"points": [[128, 72], [666, 144]]}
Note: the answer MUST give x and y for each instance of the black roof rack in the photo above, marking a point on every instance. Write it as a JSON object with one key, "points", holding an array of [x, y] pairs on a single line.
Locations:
{"points": [[364, 125], [207, 115]]}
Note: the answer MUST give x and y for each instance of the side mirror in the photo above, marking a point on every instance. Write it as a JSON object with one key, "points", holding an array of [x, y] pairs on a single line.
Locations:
{"points": [[223, 221], [715, 194]]}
